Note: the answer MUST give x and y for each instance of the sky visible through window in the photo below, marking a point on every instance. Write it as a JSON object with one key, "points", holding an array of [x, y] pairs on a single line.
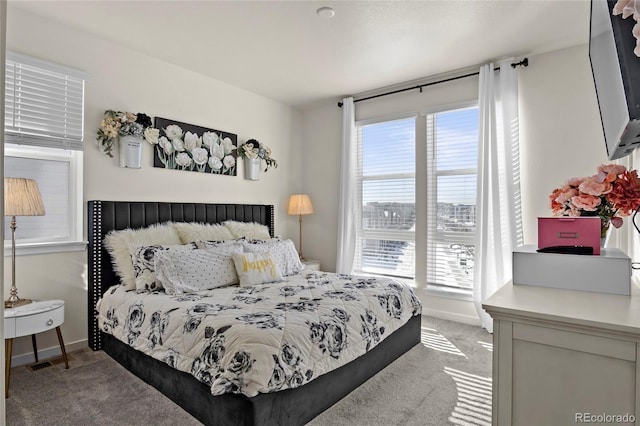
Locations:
{"points": [[457, 149], [377, 137], [457, 125], [379, 160]]}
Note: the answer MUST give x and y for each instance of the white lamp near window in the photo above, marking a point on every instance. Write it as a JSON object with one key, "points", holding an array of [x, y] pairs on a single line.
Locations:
{"points": [[21, 198], [300, 204]]}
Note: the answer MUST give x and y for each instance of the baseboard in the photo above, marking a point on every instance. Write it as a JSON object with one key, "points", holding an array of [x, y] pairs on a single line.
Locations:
{"points": [[465, 319], [51, 352]]}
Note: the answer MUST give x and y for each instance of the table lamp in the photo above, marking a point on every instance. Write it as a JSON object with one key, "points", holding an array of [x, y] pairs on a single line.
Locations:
{"points": [[300, 204], [21, 198]]}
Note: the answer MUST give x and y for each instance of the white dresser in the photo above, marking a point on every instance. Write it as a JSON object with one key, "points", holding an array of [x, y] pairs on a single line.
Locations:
{"points": [[563, 356]]}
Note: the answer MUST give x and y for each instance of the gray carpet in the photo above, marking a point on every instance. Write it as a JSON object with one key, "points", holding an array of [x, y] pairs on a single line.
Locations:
{"points": [[445, 380]]}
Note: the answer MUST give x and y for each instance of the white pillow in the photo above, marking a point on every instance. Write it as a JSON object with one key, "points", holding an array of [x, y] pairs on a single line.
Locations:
{"points": [[256, 268], [191, 232], [203, 245], [143, 259], [249, 230], [283, 252], [186, 272], [117, 244]]}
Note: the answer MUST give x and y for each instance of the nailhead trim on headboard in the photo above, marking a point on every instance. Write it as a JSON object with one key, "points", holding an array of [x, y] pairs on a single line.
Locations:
{"points": [[95, 272]]}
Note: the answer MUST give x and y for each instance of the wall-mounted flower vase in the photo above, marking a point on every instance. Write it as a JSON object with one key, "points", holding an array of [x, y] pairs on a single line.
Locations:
{"points": [[252, 168], [254, 153], [130, 151], [115, 130]]}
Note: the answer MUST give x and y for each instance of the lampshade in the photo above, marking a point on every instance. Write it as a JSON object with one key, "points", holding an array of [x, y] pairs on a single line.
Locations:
{"points": [[300, 204], [22, 198]]}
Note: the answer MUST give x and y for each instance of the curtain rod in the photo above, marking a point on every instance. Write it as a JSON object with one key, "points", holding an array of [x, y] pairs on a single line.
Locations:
{"points": [[524, 62]]}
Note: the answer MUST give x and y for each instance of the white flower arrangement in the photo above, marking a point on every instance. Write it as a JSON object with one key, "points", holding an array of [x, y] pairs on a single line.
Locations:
{"points": [[254, 149], [118, 123], [187, 151]]}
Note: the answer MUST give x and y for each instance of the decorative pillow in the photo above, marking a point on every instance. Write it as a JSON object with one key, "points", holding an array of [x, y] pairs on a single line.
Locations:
{"points": [[117, 244], [204, 245], [191, 232], [249, 230], [256, 268], [283, 251], [143, 259], [186, 272]]}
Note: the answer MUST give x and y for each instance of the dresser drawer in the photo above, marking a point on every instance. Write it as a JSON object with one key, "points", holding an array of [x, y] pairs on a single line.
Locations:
{"points": [[38, 323]]}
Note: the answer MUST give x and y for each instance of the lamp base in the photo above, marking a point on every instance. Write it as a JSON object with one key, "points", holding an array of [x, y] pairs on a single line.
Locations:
{"points": [[15, 303]]}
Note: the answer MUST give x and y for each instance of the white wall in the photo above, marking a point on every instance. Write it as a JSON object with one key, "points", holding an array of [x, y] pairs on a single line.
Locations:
{"points": [[322, 134], [560, 138], [560, 132], [126, 80]]}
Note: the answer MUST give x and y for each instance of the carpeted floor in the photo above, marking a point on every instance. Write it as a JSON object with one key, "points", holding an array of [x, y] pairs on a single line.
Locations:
{"points": [[445, 380]]}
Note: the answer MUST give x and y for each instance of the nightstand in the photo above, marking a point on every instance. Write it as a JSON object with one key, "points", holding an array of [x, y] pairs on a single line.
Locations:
{"points": [[310, 264], [31, 319]]}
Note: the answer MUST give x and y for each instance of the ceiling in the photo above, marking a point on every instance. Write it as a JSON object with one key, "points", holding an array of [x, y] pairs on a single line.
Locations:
{"points": [[284, 51]]}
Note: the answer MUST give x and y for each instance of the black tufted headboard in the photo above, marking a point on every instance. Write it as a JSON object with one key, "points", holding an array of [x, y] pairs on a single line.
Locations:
{"points": [[106, 216]]}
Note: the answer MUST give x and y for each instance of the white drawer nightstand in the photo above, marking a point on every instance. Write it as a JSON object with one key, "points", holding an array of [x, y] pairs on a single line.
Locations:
{"points": [[31, 319], [310, 264]]}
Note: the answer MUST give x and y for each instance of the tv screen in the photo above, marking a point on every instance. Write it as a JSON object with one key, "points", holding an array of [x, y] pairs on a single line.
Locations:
{"points": [[616, 75]]}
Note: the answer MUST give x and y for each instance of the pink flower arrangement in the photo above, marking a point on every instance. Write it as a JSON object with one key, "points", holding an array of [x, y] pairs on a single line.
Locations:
{"points": [[611, 194]]}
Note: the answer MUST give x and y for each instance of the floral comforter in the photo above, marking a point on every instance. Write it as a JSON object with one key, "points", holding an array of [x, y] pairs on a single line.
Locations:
{"points": [[265, 338]]}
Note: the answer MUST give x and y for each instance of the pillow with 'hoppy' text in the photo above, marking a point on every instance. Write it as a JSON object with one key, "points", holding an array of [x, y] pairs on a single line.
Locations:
{"points": [[256, 268]]}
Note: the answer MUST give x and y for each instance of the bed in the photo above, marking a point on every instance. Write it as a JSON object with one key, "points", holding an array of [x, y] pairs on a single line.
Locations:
{"points": [[294, 406]]}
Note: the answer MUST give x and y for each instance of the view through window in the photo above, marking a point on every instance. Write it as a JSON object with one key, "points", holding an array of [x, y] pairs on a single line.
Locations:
{"points": [[452, 165], [386, 240]]}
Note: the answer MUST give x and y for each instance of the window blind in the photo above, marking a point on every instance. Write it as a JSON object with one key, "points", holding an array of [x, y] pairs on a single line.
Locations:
{"points": [[44, 103], [386, 170], [452, 151]]}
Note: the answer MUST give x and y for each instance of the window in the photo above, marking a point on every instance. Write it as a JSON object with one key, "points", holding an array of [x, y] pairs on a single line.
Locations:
{"points": [[44, 119], [452, 169], [58, 173], [386, 234]]}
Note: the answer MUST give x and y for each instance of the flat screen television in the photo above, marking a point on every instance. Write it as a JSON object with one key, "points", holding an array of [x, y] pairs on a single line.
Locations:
{"points": [[616, 75]]}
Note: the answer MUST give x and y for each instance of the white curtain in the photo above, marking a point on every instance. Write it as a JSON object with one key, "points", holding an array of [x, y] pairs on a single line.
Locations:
{"points": [[499, 223], [347, 208]]}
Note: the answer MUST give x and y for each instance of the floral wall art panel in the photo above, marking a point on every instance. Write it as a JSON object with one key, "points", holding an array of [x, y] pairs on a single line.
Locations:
{"points": [[183, 146]]}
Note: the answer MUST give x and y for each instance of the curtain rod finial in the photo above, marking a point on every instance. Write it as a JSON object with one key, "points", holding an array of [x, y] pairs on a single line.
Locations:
{"points": [[524, 62]]}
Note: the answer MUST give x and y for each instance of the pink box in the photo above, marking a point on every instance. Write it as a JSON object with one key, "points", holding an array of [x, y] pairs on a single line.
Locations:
{"points": [[569, 231]]}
